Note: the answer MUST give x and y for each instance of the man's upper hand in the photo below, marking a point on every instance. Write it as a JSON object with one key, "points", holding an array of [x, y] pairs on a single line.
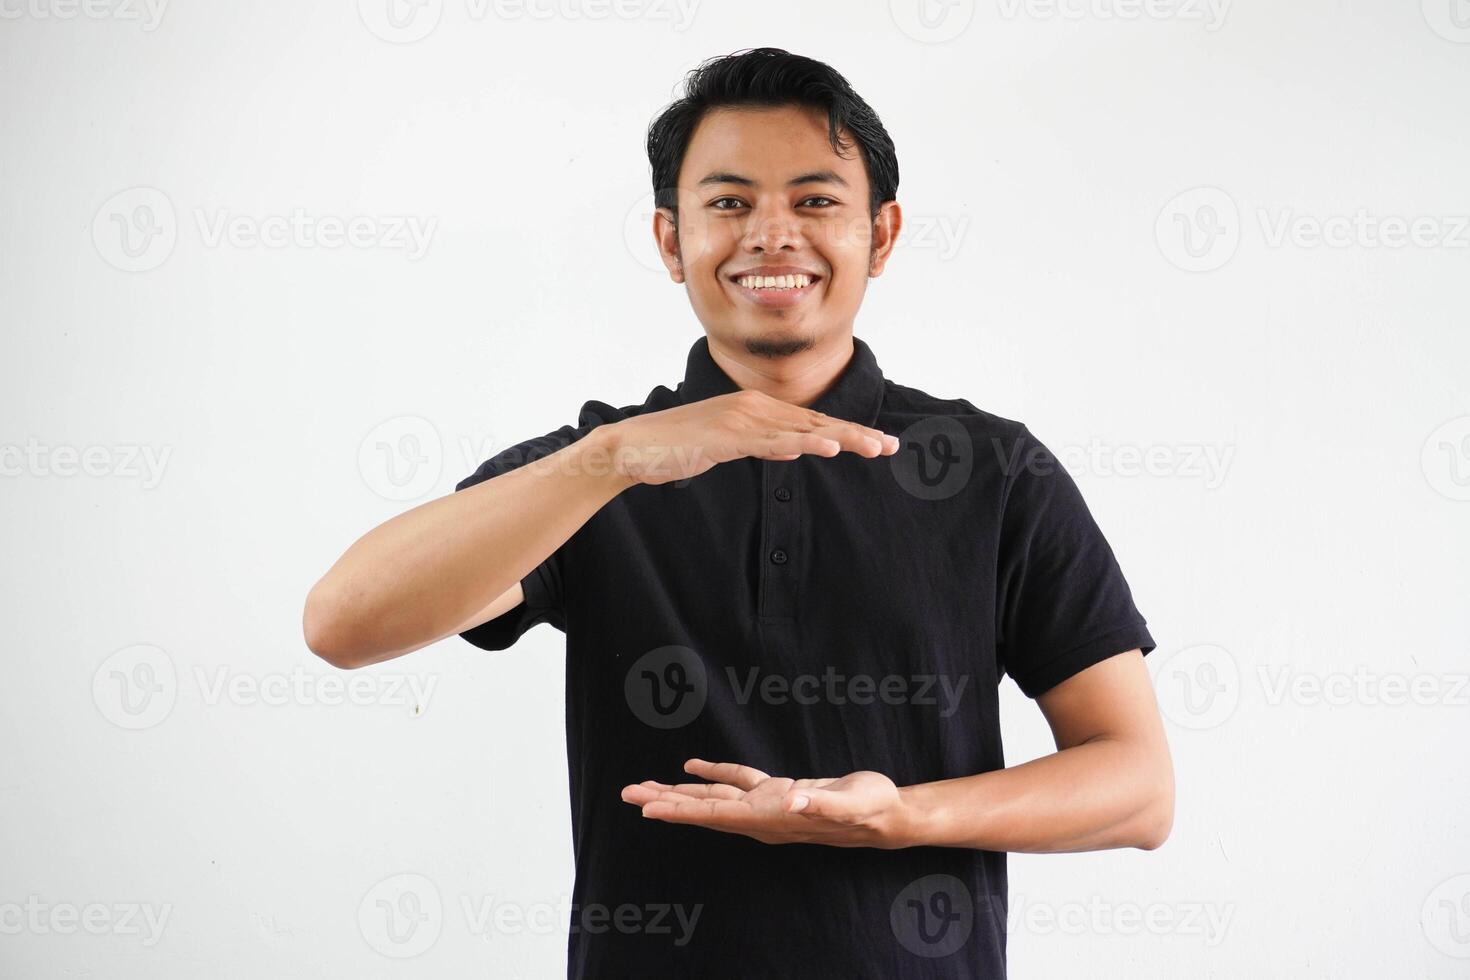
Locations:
{"points": [[682, 442]]}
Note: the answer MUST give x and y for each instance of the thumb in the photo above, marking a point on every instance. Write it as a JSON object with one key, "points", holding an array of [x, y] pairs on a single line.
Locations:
{"points": [[812, 802]]}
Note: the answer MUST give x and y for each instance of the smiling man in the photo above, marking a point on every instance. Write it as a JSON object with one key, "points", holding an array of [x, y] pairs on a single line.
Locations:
{"points": [[790, 588]]}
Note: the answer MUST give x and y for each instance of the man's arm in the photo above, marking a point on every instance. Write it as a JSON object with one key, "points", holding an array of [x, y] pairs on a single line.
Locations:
{"points": [[1111, 784], [458, 560]]}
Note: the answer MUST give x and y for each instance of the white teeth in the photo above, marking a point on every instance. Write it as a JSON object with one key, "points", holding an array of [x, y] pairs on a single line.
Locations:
{"points": [[775, 282]]}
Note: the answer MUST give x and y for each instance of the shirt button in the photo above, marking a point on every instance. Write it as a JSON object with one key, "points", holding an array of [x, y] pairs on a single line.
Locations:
{"points": [[778, 556], [783, 494]]}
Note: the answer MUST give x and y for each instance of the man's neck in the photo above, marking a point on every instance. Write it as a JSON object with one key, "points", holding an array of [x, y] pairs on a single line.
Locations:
{"points": [[798, 379]]}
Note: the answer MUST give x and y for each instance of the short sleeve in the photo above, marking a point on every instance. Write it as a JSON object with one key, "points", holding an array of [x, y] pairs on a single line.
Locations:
{"points": [[1062, 601], [542, 586]]}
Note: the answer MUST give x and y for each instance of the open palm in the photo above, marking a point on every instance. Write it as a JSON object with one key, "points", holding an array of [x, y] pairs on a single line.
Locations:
{"points": [[856, 810]]}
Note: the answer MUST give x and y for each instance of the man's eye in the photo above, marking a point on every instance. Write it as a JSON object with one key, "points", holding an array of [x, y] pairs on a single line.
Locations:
{"points": [[735, 202]]}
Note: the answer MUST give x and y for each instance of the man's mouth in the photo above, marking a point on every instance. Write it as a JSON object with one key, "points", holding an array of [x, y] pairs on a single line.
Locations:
{"points": [[775, 282], [776, 291]]}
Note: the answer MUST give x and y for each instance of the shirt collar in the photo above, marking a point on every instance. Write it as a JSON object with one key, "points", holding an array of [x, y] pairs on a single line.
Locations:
{"points": [[855, 395]]}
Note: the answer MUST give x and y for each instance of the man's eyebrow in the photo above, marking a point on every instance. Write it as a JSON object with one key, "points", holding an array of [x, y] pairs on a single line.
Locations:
{"points": [[815, 177]]}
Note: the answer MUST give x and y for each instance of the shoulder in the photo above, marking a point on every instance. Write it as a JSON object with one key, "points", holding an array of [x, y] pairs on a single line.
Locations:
{"points": [[595, 412], [1004, 461], [908, 408]]}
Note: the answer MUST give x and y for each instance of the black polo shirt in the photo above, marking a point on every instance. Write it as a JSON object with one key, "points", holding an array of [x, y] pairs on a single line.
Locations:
{"points": [[811, 617]]}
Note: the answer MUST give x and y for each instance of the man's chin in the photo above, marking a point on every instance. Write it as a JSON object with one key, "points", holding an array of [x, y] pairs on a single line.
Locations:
{"points": [[780, 342]]}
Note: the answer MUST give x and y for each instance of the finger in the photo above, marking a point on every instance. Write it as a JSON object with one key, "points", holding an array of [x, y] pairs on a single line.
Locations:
{"points": [[787, 444], [695, 791], [852, 435], [639, 794], [709, 791], [859, 439], [651, 783], [642, 795], [813, 782], [809, 801], [831, 435], [727, 815], [745, 777]]}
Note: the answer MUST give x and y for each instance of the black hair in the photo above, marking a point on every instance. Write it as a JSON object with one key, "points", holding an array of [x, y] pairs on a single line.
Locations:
{"points": [[769, 78]]}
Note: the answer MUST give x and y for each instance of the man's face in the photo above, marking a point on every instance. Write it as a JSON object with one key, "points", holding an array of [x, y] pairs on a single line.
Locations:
{"points": [[761, 191]]}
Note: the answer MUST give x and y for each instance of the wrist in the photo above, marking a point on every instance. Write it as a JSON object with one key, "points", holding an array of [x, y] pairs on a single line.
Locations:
{"points": [[909, 819], [598, 455]]}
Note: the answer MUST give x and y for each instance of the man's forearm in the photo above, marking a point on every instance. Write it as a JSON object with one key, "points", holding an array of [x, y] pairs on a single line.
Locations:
{"points": [[1103, 793], [419, 575]]}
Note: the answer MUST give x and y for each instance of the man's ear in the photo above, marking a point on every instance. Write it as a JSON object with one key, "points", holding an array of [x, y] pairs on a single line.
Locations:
{"points": [[666, 237], [886, 227]]}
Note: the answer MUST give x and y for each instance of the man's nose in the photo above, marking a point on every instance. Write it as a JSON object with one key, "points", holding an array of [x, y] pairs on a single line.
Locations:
{"points": [[771, 229]]}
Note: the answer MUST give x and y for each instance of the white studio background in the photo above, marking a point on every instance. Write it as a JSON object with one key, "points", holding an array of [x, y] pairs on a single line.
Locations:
{"points": [[1214, 253]]}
